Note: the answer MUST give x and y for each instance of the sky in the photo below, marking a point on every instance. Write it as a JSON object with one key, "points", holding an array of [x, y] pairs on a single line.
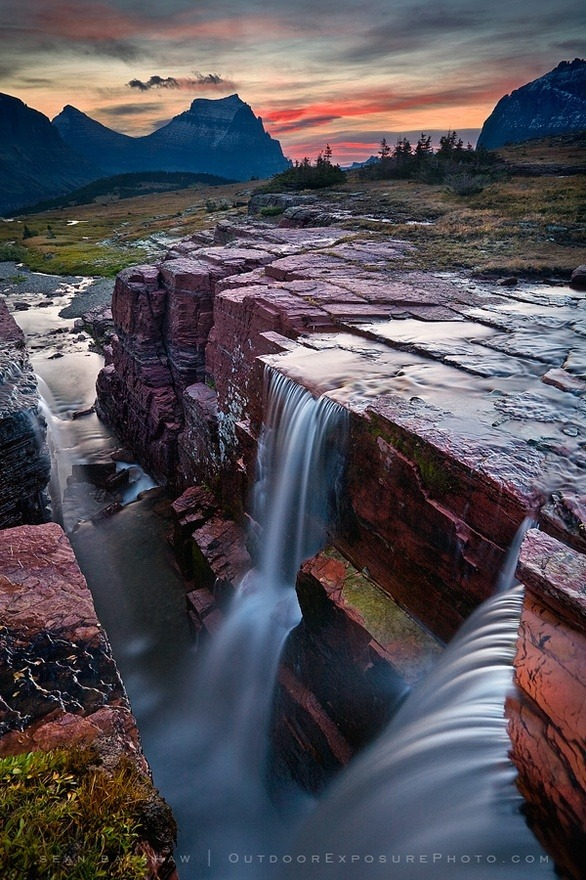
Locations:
{"points": [[316, 71]]}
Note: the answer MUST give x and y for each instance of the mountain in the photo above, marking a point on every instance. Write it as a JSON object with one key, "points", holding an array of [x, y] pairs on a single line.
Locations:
{"points": [[221, 137], [109, 149], [35, 162], [553, 104]]}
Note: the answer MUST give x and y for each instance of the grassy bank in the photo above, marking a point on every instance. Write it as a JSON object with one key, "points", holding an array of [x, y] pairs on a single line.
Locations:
{"points": [[518, 224]]}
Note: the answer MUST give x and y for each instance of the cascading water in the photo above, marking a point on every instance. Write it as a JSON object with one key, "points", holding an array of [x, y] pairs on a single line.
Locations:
{"points": [[224, 807], [434, 796]]}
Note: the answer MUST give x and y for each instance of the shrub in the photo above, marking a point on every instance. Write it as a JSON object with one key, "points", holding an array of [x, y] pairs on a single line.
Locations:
{"points": [[464, 183], [11, 252], [304, 175], [271, 211]]}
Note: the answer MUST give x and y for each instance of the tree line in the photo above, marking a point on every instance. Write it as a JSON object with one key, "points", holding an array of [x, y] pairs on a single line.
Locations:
{"points": [[467, 170]]}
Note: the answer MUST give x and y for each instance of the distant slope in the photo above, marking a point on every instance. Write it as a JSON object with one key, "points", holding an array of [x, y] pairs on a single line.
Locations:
{"points": [[35, 162], [126, 186], [553, 104], [112, 151], [221, 137]]}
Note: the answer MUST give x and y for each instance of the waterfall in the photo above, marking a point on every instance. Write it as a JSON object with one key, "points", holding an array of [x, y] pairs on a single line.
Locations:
{"points": [[434, 796], [225, 807]]}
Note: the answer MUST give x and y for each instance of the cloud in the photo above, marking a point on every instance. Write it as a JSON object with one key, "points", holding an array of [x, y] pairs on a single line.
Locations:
{"points": [[155, 82], [300, 124], [200, 82], [128, 109]]}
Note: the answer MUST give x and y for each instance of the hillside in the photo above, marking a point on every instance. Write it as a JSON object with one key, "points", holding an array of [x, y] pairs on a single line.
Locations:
{"points": [[35, 162], [519, 224], [126, 186]]}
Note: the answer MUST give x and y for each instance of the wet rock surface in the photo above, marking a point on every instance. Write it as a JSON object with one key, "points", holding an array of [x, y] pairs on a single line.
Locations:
{"points": [[25, 457], [59, 681], [467, 415], [466, 396], [546, 720]]}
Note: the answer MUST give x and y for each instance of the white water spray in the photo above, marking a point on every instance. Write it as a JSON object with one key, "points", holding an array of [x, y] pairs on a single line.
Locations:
{"points": [[225, 807], [434, 796]]}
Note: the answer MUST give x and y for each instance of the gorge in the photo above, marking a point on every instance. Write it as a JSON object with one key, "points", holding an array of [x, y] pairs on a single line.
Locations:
{"points": [[464, 402]]}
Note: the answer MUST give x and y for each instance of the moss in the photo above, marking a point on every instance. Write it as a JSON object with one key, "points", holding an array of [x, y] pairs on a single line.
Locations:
{"points": [[271, 211], [63, 816], [381, 615], [433, 476]]}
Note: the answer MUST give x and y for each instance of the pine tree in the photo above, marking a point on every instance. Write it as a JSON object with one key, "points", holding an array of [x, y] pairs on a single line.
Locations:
{"points": [[384, 151]]}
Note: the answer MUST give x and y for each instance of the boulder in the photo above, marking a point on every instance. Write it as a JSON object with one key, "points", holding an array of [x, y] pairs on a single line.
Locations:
{"points": [[578, 279]]}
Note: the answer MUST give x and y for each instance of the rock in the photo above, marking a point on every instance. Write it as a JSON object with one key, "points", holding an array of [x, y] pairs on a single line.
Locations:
{"points": [[345, 669], [54, 649], [509, 281], [546, 721], [26, 463], [98, 323], [98, 473], [578, 279], [279, 201], [302, 217], [59, 683], [81, 413], [550, 105]]}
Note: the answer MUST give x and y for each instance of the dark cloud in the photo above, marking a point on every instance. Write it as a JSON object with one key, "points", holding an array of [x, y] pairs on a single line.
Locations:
{"points": [[155, 82], [416, 27], [119, 49], [300, 124], [124, 110], [199, 82]]}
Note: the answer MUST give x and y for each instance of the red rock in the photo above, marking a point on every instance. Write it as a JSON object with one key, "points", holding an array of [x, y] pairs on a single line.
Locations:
{"points": [[60, 684], [10, 332], [557, 574], [546, 721], [54, 648]]}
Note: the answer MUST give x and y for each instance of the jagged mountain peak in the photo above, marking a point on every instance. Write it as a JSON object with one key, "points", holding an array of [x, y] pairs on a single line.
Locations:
{"points": [[554, 103], [229, 102], [35, 161]]}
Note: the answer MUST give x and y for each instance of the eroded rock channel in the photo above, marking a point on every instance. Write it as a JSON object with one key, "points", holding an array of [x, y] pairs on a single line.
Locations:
{"points": [[467, 419]]}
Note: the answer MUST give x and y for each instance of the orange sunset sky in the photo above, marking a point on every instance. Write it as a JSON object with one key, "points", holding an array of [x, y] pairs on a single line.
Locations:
{"points": [[326, 70]]}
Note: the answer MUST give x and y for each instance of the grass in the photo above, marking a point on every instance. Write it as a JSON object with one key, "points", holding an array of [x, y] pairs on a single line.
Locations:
{"points": [[523, 225], [63, 816], [107, 238], [517, 225]]}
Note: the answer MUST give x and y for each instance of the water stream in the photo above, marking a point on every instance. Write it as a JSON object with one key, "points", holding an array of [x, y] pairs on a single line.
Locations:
{"points": [[224, 802]]}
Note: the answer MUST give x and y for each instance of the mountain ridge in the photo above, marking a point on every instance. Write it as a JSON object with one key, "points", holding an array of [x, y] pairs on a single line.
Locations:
{"points": [[214, 136]]}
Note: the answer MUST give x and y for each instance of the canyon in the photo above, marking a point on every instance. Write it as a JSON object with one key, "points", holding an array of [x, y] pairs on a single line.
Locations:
{"points": [[465, 400], [466, 406]]}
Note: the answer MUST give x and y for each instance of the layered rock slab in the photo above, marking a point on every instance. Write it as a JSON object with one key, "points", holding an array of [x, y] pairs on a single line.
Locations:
{"points": [[59, 684]]}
